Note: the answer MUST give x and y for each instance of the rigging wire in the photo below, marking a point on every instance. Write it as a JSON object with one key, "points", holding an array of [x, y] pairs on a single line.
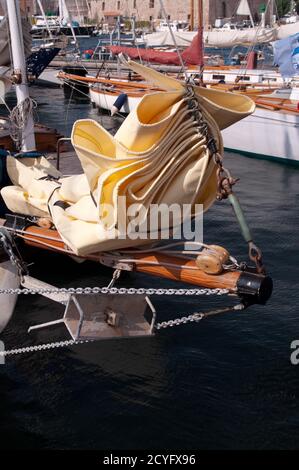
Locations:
{"points": [[254, 42], [174, 40]]}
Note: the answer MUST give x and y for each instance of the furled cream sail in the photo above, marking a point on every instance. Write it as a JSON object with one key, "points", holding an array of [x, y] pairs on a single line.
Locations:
{"points": [[159, 155]]}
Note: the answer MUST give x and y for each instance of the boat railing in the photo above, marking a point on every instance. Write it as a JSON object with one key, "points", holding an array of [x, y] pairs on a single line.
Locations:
{"points": [[59, 148]]}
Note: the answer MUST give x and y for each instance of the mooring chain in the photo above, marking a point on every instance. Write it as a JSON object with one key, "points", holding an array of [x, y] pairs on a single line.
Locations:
{"points": [[116, 291], [43, 347], [197, 317]]}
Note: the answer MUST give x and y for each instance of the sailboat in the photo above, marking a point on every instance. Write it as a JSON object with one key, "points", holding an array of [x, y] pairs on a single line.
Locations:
{"points": [[271, 132], [168, 151], [64, 24], [36, 62]]}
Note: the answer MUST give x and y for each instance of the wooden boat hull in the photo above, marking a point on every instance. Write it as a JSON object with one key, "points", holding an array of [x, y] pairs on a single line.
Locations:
{"points": [[45, 137], [105, 100]]}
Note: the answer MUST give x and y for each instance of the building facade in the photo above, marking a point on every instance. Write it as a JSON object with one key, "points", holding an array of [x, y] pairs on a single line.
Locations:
{"points": [[145, 10], [150, 10]]}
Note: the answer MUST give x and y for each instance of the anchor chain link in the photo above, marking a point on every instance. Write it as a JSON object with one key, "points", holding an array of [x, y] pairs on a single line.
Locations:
{"points": [[197, 316], [43, 347], [116, 291], [225, 181]]}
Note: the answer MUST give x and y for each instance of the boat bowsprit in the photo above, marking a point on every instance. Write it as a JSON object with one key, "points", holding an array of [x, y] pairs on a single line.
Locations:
{"points": [[94, 313], [167, 152]]}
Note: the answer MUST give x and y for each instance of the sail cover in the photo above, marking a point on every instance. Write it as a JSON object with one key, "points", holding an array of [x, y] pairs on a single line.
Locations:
{"points": [[191, 56], [165, 38], [158, 157]]}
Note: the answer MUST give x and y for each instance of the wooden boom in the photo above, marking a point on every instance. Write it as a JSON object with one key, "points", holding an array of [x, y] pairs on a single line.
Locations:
{"points": [[254, 288]]}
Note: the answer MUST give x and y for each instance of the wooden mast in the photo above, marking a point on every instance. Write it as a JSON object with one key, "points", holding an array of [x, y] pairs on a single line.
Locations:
{"points": [[192, 16], [20, 73], [200, 35]]}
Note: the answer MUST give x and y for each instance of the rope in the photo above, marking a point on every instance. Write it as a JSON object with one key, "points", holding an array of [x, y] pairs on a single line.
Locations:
{"points": [[174, 40], [42, 347], [18, 117]]}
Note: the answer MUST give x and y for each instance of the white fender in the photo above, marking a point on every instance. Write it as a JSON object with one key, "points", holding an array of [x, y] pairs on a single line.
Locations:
{"points": [[9, 279], [114, 110]]}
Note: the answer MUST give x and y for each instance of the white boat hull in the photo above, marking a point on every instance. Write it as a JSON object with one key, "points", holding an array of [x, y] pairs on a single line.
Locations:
{"points": [[104, 100], [266, 134], [49, 77], [9, 279]]}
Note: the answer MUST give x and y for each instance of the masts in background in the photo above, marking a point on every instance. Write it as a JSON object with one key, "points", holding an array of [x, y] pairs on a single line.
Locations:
{"points": [[45, 18], [62, 10], [66, 17], [133, 27], [244, 10], [80, 18], [271, 13], [200, 35], [173, 39], [19, 64], [192, 16], [88, 9]]}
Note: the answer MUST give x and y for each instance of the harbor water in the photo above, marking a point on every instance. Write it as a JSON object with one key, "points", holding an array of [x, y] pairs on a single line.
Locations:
{"points": [[225, 383]]}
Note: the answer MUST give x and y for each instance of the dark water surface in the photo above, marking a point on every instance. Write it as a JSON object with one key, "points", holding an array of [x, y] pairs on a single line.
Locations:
{"points": [[227, 383]]}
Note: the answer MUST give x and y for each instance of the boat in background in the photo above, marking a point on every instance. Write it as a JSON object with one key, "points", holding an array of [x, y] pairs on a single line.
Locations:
{"points": [[46, 138], [272, 131], [212, 269], [63, 24]]}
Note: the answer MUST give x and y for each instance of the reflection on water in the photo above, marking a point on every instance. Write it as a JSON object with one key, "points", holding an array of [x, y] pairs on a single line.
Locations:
{"points": [[225, 383]]}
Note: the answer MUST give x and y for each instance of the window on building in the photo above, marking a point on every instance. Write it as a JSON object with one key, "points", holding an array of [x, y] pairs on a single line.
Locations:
{"points": [[118, 5], [152, 3], [151, 18], [168, 17], [223, 9], [134, 4], [103, 6]]}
